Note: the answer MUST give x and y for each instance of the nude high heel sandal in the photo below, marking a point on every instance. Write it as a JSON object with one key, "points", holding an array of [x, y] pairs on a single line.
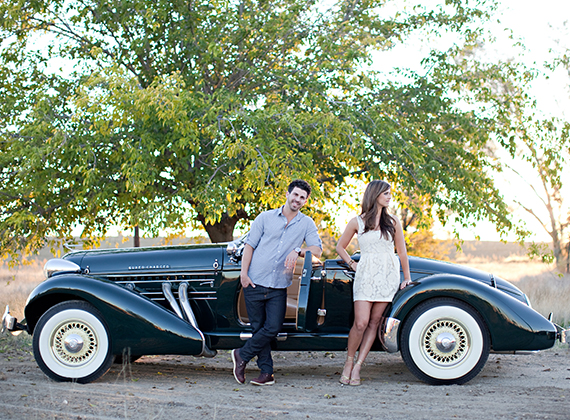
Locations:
{"points": [[356, 381], [345, 380]]}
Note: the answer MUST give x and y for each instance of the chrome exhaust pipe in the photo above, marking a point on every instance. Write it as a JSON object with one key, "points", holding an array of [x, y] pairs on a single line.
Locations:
{"points": [[183, 297], [167, 290]]}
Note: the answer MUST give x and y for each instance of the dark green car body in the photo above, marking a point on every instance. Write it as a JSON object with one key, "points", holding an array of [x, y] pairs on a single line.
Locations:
{"points": [[129, 288]]}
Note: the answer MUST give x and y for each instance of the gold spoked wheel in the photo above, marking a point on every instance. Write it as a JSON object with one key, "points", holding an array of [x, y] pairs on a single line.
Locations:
{"points": [[445, 342], [74, 343]]}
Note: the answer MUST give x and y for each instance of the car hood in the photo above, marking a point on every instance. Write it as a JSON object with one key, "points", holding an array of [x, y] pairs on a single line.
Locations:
{"points": [[150, 260]]}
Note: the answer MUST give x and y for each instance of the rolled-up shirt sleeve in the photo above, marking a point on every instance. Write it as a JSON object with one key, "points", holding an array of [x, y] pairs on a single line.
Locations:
{"points": [[312, 237], [255, 232]]}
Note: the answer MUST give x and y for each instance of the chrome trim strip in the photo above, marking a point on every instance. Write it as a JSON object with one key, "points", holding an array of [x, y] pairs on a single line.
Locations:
{"points": [[389, 336], [145, 282], [193, 293], [130, 274], [158, 299], [167, 290], [243, 336]]}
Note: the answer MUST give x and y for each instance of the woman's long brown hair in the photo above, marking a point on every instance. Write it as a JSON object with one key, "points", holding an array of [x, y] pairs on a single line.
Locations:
{"points": [[370, 209]]}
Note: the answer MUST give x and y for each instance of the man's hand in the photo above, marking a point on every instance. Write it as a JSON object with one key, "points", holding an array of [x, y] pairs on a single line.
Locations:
{"points": [[291, 260], [246, 281]]}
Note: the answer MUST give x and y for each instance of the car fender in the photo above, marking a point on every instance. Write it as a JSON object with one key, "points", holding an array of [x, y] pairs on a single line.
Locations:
{"points": [[137, 323], [512, 325]]}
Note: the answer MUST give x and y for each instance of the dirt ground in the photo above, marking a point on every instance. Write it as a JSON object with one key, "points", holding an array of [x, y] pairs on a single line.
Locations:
{"points": [[535, 386]]}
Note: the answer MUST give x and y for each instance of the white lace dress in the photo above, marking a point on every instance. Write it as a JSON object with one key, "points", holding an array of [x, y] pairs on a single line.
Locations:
{"points": [[378, 272]]}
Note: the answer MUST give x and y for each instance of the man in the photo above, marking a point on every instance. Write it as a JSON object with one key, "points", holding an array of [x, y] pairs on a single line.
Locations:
{"points": [[269, 257]]}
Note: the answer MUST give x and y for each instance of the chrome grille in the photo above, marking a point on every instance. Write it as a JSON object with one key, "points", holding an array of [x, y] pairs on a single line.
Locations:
{"points": [[200, 285]]}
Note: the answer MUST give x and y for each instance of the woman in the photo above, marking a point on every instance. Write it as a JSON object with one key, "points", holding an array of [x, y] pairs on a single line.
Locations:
{"points": [[377, 274]]}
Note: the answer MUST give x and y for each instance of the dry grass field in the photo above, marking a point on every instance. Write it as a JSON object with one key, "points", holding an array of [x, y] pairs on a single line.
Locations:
{"points": [[17, 283]]}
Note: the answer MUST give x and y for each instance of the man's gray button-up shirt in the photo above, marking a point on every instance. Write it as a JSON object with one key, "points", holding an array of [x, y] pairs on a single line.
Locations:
{"points": [[272, 240]]}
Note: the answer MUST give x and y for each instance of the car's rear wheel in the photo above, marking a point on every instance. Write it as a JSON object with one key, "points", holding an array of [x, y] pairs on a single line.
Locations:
{"points": [[445, 341], [71, 342]]}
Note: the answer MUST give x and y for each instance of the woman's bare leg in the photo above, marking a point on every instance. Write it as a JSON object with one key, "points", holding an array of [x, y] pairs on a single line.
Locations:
{"points": [[362, 311], [369, 336]]}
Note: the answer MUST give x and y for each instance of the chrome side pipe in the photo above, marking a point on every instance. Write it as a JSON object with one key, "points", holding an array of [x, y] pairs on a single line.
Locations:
{"points": [[167, 290], [183, 296]]}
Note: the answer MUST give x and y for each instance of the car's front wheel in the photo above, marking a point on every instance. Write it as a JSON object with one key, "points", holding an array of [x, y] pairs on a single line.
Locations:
{"points": [[71, 342], [445, 341]]}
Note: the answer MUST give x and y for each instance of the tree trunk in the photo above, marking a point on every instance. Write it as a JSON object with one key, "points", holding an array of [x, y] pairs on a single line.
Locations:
{"points": [[137, 238], [223, 230]]}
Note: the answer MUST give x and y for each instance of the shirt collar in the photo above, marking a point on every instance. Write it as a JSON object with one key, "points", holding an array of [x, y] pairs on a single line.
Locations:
{"points": [[280, 213]]}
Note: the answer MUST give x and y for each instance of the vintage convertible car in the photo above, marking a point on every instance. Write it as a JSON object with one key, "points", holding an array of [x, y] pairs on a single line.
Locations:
{"points": [[97, 305]]}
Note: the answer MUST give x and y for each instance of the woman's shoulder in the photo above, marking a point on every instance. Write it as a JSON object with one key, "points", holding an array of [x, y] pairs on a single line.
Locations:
{"points": [[395, 219], [359, 223], [354, 222]]}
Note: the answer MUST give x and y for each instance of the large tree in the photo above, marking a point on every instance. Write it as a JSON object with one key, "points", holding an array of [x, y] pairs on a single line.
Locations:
{"points": [[167, 112]]}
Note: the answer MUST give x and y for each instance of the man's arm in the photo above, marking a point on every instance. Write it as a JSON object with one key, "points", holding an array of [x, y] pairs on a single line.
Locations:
{"points": [[245, 262], [291, 258], [313, 241], [315, 250]]}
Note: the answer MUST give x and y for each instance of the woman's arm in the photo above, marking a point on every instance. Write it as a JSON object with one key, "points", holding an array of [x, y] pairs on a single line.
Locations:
{"points": [[349, 232], [402, 252]]}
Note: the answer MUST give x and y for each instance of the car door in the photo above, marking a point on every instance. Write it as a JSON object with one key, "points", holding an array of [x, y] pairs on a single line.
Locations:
{"points": [[304, 292]]}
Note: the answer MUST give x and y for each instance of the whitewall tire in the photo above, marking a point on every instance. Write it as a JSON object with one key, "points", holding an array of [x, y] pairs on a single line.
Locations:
{"points": [[445, 341], [71, 342]]}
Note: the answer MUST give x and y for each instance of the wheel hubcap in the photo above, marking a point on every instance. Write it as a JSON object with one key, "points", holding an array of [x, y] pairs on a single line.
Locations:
{"points": [[74, 343], [445, 342]]}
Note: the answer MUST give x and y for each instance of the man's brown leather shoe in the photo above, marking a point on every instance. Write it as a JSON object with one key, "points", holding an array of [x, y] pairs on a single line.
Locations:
{"points": [[239, 366], [263, 379]]}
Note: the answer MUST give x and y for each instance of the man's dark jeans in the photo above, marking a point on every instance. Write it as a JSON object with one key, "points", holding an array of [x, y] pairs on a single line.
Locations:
{"points": [[266, 311]]}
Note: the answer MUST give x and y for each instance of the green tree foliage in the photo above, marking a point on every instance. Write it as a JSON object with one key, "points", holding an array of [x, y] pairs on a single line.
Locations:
{"points": [[167, 109]]}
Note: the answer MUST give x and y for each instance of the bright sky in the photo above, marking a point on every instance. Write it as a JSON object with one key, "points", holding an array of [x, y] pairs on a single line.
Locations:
{"points": [[539, 28]]}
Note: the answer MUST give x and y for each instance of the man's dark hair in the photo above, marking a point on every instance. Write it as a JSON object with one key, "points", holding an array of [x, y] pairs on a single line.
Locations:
{"points": [[299, 183]]}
